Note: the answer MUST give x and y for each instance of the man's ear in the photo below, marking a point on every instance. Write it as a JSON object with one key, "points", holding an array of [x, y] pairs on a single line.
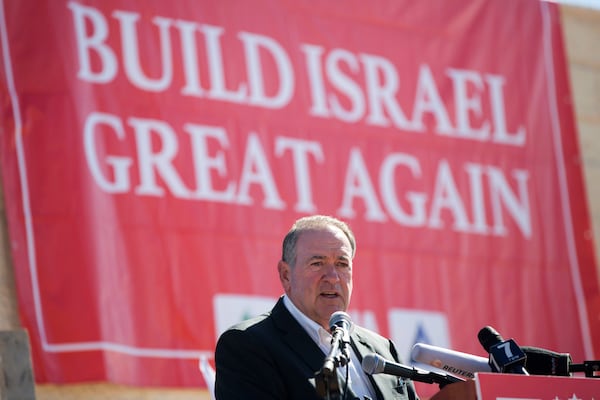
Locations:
{"points": [[285, 274]]}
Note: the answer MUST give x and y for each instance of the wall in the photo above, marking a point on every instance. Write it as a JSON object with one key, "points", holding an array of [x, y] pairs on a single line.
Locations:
{"points": [[581, 33], [581, 29]]}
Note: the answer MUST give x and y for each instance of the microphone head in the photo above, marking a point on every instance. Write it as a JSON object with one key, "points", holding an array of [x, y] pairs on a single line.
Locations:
{"points": [[373, 364], [488, 337], [340, 319], [450, 361], [546, 362]]}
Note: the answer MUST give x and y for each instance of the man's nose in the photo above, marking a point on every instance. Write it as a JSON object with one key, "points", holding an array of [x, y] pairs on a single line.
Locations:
{"points": [[330, 272]]}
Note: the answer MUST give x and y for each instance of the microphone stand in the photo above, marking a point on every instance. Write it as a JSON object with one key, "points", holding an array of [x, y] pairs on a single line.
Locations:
{"points": [[326, 380], [588, 367], [328, 385]]}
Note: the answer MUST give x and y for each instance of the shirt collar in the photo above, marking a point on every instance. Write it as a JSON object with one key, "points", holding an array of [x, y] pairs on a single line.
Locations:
{"points": [[314, 330]]}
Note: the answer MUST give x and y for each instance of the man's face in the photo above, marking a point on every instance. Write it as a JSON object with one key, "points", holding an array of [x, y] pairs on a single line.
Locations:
{"points": [[320, 282]]}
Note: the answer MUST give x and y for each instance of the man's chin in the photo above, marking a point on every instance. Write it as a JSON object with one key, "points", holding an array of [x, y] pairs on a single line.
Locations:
{"points": [[330, 306]]}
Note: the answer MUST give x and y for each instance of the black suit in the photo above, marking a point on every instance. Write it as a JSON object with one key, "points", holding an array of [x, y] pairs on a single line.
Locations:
{"points": [[273, 357]]}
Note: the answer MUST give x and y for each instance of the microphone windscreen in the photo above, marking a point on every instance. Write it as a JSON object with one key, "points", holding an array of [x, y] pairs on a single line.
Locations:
{"points": [[488, 337], [341, 319], [373, 364], [546, 362]]}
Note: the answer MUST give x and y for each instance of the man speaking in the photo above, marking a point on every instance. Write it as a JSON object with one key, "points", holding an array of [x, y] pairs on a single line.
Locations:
{"points": [[279, 355]]}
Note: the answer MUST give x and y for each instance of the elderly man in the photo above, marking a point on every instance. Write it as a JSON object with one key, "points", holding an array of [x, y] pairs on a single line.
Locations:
{"points": [[276, 355]]}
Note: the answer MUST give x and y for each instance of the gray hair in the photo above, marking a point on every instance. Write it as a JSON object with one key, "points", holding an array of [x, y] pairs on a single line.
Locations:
{"points": [[311, 223]]}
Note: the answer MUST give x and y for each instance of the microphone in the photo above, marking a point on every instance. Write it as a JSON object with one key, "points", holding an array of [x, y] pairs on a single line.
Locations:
{"points": [[547, 362], [454, 362], [505, 355], [339, 325], [375, 364]]}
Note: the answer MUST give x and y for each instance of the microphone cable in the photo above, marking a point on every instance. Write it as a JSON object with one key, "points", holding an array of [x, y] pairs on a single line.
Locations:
{"points": [[345, 391]]}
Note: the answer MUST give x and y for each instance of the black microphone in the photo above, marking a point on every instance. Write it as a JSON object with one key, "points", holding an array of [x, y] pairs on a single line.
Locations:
{"points": [[375, 364], [505, 355], [339, 354], [547, 362]]}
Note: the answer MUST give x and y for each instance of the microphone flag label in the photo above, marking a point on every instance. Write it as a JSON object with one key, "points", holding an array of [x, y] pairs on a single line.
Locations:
{"points": [[505, 354]]}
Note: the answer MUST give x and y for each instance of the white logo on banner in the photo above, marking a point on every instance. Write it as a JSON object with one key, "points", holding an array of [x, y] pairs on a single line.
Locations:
{"points": [[408, 327], [229, 309]]}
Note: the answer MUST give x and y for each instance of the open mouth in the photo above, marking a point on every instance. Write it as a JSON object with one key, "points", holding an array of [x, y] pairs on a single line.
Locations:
{"points": [[330, 295]]}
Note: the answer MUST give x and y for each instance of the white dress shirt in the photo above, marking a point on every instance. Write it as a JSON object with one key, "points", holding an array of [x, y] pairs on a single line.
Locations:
{"points": [[357, 378]]}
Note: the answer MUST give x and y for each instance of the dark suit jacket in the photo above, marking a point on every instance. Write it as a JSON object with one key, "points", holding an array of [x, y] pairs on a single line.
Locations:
{"points": [[273, 357]]}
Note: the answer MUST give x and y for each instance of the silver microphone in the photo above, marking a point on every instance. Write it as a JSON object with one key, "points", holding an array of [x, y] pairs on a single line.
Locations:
{"points": [[451, 361]]}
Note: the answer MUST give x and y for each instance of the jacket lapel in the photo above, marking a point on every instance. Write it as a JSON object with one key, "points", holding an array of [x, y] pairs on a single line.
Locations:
{"points": [[383, 383], [302, 344], [296, 337]]}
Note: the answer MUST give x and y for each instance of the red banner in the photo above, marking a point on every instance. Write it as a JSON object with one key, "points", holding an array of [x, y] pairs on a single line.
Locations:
{"points": [[155, 153]]}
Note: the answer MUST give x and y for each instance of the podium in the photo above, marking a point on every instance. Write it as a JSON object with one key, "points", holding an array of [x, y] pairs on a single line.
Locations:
{"points": [[491, 386]]}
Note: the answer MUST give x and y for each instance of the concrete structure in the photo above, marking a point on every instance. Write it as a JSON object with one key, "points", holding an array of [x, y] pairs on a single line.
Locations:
{"points": [[582, 38]]}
